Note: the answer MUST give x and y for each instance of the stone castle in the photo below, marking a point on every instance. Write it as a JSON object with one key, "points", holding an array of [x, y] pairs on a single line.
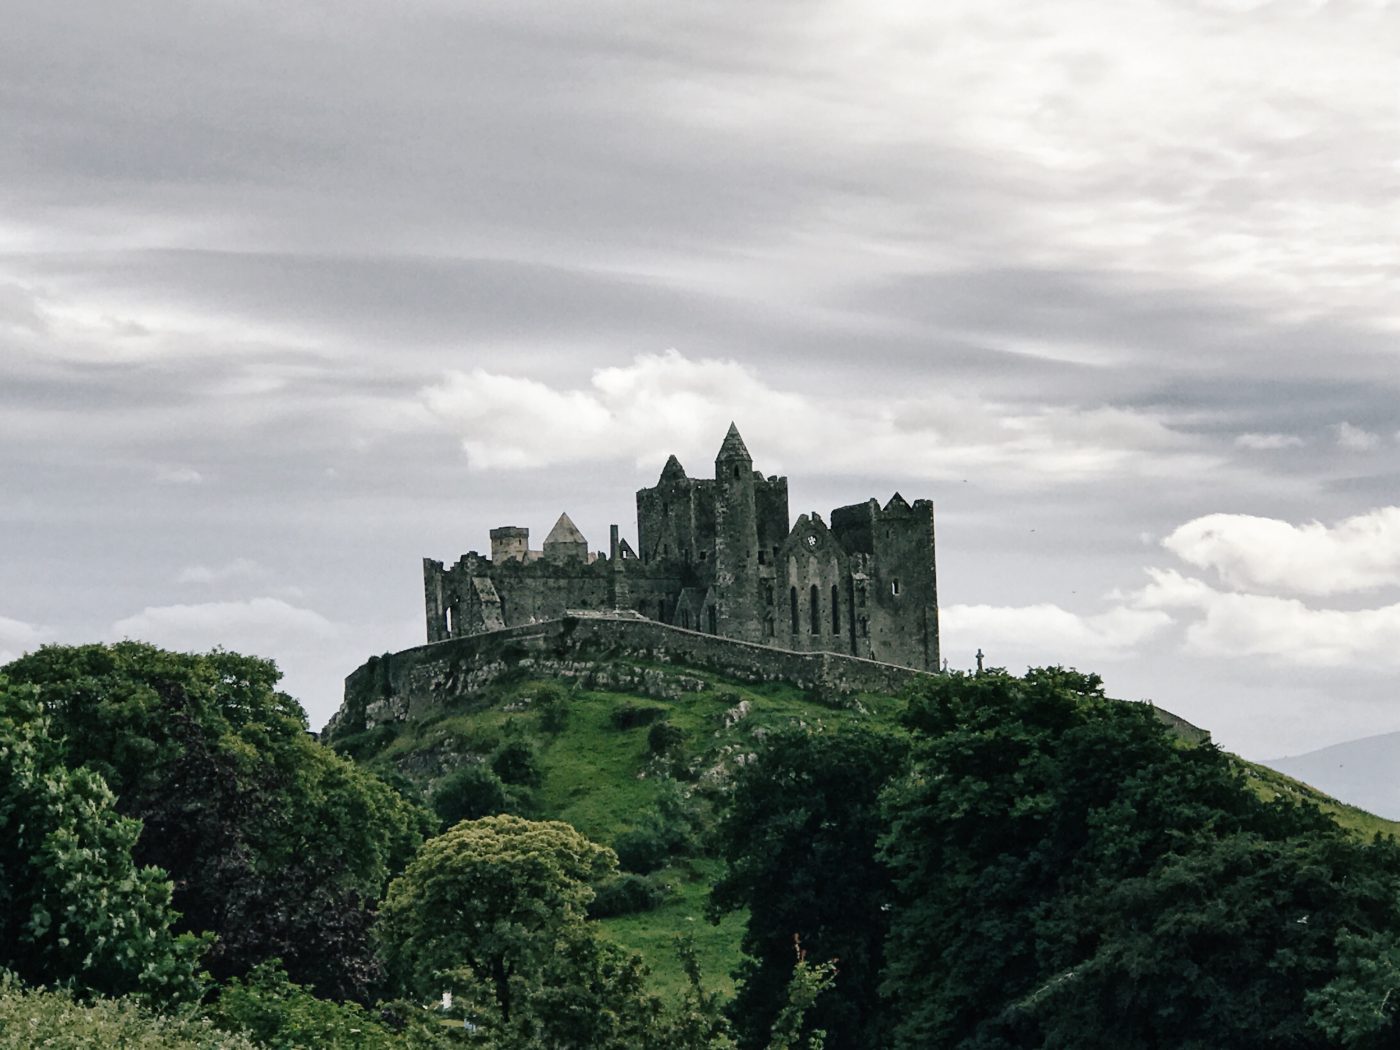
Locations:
{"points": [[717, 555]]}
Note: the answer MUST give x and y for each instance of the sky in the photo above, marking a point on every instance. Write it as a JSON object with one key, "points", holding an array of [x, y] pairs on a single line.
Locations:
{"points": [[295, 295]]}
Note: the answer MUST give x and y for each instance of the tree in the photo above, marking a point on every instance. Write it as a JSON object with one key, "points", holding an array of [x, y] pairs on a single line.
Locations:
{"points": [[75, 910], [799, 837], [1069, 874], [31, 1018], [494, 911], [275, 844]]}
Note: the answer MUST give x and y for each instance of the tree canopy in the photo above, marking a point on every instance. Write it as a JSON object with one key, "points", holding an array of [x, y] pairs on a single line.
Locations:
{"points": [[799, 836], [76, 910], [1069, 875], [275, 844]]}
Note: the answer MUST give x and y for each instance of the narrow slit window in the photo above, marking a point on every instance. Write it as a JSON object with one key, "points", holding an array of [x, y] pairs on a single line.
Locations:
{"points": [[894, 585], [835, 610], [792, 595], [815, 611]]}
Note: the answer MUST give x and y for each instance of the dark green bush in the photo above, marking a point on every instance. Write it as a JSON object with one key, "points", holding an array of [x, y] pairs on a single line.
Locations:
{"points": [[627, 894], [469, 793], [553, 706], [642, 850], [516, 763], [630, 716], [665, 738]]}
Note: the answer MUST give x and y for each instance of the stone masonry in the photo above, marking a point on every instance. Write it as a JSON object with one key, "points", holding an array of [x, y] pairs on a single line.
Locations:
{"points": [[719, 556]]}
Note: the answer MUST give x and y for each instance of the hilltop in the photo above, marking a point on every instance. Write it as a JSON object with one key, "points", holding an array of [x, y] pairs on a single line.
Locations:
{"points": [[631, 732]]}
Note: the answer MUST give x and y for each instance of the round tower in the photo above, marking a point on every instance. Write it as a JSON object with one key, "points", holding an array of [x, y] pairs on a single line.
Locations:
{"points": [[739, 609]]}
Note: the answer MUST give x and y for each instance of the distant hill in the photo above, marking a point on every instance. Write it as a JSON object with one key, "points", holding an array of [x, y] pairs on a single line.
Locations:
{"points": [[1365, 773]]}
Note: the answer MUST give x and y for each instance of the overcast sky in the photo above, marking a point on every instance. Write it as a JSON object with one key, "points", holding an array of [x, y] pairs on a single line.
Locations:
{"points": [[294, 295]]}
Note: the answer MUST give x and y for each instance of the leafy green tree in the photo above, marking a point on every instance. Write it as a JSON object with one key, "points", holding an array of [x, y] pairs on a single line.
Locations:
{"points": [[494, 911], [31, 1018], [75, 910], [275, 844], [799, 838], [1069, 874], [282, 1015]]}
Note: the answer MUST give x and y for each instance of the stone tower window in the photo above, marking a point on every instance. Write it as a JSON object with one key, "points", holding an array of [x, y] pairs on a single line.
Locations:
{"points": [[448, 612], [815, 610], [894, 585], [835, 610], [736, 470], [714, 621], [792, 594]]}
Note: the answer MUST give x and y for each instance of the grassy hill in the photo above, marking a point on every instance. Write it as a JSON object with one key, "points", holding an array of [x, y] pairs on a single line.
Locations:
{"points": [[605, 767]]}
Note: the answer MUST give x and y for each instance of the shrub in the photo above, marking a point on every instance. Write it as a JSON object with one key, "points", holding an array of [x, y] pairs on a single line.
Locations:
{"points": [[630, 716], [517, 763], [469, 793], [30, 1018], [553, 707], [665, 738], [626, 895], [642, 850]]}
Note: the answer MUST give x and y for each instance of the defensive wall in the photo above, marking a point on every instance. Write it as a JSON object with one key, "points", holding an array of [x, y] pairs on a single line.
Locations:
{"points": [[620, 651]]}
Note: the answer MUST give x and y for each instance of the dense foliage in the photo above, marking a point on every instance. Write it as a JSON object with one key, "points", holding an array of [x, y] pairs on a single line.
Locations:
{"points": [[31, 1018], [799, 836], [1069, 875], [75, 909], [1014, 863], [275, 844], [494, 911]]}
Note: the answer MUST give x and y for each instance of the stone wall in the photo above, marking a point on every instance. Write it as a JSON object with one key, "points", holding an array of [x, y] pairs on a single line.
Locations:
{"points": [[405, 685], [620, 653]]}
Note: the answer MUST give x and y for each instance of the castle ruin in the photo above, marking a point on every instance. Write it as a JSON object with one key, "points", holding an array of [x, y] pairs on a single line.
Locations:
{"points": [[717, 555]]}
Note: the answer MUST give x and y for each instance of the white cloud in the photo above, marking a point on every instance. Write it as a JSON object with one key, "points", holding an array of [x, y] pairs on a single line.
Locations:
{"points": [[1284, 629], [668, 401], [178, 476], [18, 638], [260, 625], [1356, 554], [1268, 442], [1355, 439], [1036, 634], [239, 568]]}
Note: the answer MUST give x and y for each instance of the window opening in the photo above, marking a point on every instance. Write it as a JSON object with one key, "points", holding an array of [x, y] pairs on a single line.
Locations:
{"points": [[894, 586], [792, 594], [815, 611], [449, 619], [714, 621], [835, 611]]}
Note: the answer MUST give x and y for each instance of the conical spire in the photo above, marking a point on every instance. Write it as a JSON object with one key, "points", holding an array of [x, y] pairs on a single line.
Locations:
{"points": [[673, 471], [733, 447], [564, 531]]}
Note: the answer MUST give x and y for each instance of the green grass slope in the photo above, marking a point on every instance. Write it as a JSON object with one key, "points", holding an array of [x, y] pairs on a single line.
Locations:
{"points": [[599, 774]]}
